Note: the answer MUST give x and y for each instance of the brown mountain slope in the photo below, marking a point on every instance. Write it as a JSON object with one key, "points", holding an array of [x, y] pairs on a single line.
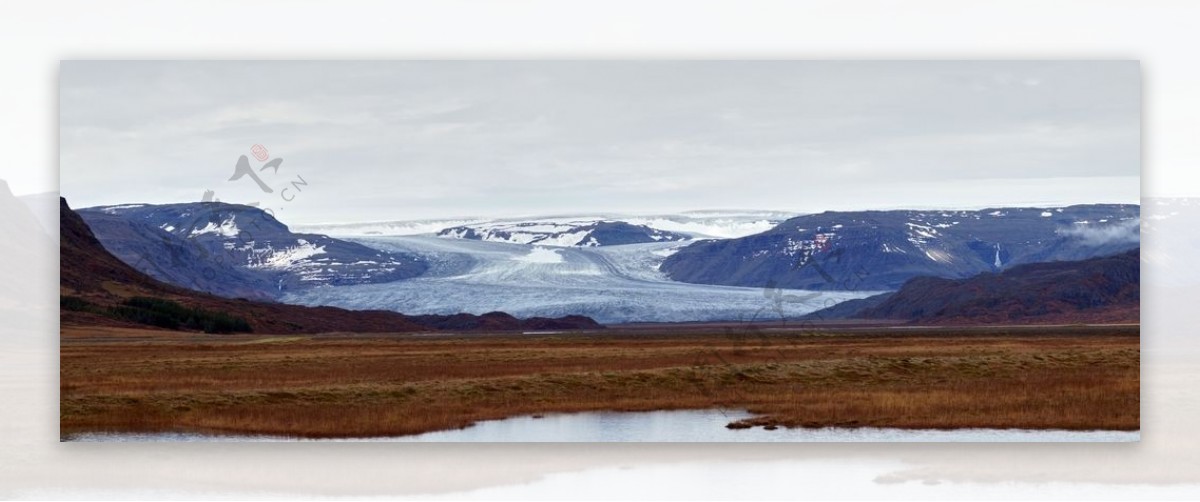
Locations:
{"points": [[91, 273], [1102, 290], [1096, 290]]}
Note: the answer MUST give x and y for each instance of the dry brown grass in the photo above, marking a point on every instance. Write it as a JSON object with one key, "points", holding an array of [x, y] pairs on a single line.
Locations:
{"points": [[115, 379]]}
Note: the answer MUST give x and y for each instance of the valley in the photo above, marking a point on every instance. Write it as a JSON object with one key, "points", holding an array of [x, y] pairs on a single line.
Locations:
{"points": [[494, 330], [699, 266]]}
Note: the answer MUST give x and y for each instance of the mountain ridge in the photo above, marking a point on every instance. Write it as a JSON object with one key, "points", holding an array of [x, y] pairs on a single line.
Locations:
{"points": [[237, 251], [880, 250]]}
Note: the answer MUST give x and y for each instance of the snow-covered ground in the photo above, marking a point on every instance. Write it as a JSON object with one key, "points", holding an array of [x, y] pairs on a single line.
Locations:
{"points": [[721, 224], [610, 284], [562, 233]]}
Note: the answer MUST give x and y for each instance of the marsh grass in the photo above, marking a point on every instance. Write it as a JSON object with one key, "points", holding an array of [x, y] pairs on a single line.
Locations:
{"points": [[347, 386]]}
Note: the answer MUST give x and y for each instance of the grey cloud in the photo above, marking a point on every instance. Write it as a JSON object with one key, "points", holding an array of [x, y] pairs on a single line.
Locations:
{"points": [[397, 140], [1099, 234]]}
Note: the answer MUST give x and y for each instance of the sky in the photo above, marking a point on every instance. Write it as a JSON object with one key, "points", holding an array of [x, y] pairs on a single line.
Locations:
{"points": [[376, 141]]}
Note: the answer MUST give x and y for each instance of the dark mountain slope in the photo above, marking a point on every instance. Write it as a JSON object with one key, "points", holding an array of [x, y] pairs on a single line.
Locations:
{"points": [[1102, 289], [173, 260], [848, 309]]}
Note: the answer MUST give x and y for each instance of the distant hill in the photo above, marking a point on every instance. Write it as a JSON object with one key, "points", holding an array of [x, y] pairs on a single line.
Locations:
{"points": [[44, 207], [237, 251], [90, 275], [880, 250], [562, 233], [1096, 290], [24, 246]]}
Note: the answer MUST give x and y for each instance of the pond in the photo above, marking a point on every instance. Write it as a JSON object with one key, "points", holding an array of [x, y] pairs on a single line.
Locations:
{"points": [[660, 426]]}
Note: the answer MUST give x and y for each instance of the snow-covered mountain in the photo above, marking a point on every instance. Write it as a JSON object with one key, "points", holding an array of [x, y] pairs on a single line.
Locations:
{"points": [[563, 233], [233, 250], [883, 249]]}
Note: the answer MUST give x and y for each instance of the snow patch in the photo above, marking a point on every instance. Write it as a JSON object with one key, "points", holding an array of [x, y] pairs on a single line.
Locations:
{"points": [[114, 209], [287, 257], [938, 256], [227, 228], [541, 255], [920, 235]]}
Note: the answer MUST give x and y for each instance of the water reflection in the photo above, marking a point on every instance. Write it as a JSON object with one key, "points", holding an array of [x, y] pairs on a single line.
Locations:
{"points": [[665, 427]]}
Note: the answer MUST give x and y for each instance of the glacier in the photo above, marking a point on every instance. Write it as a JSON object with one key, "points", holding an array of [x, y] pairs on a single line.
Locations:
{"points": [[613, 284]]}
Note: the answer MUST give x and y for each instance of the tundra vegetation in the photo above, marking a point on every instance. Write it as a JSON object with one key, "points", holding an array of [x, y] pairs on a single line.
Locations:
{"points": [[355, 385]]}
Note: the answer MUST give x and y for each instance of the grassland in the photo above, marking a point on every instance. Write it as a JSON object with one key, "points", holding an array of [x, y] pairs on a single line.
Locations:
{"points": [[117, 379]]}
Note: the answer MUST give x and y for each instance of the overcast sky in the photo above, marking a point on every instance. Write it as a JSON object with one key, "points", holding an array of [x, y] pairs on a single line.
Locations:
{"points": [[412, 140]]}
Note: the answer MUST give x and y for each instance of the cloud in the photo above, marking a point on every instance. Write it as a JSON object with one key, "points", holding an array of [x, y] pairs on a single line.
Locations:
{"points": [[1099, 234], [399, 140]]}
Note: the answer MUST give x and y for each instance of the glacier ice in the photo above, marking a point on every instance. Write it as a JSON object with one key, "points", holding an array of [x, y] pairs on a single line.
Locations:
{"points": [[613, 284]]}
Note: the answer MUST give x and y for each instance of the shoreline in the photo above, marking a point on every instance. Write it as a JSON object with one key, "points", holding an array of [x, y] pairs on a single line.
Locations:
{"points": [[783, 434]]}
